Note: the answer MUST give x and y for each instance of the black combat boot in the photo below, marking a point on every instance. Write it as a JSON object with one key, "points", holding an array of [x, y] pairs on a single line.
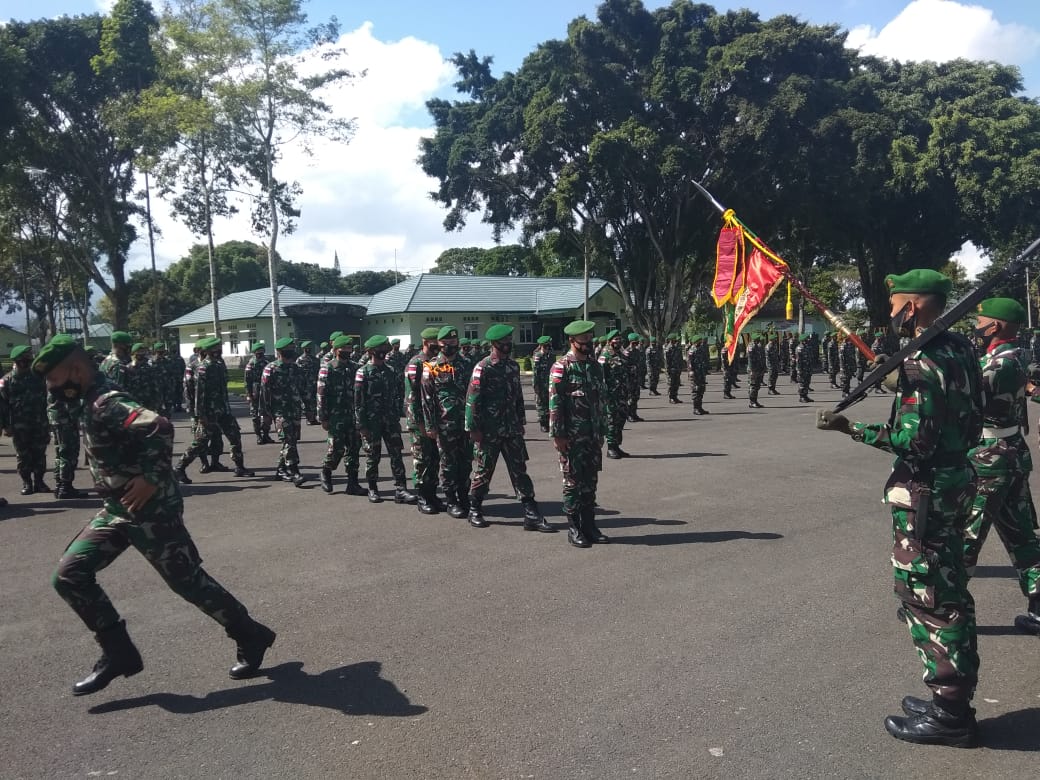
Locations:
{"points": [[774, 391], [241, 470], [259, 435], [425, 502], [588, 525], [698, 409], [296, 477], [534, 520], [353, 487], [634, 417], [280, 472], [373, 492], [268, 439], [454, 501], [944, 722], [27, 485], [727, 394], [119, 658], [575, 533], [755, 405], [180, 474], [1029, 623], [614, 453], [402, 495], [476, 516], [326, 480], [65, 489], [253, 639], [216, 466], [39, 485], [544, 427]]}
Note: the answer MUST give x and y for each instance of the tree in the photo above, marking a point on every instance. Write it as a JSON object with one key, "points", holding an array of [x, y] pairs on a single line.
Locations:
{"points": [[238, 265], [368, 282]]}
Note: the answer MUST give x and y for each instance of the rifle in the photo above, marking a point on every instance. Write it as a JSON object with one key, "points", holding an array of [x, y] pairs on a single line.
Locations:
{"points": [[941, 325]]}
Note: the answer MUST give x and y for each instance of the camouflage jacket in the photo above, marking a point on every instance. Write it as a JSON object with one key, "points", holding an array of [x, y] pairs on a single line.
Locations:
{"points": [[1004, 389], [211, 395], [576, 400], [63, 412], [310, 367], [756, 357], [115, 368], [833, 354], [615, 374], [375, 396], [772, 355], [937, 413], [541, 363], [673, 358], [803, 358], [653, 358], [282, 390], [143, 384], [413, 374], [189, 386], [336, 392], [23, 401], [495, 399], [444, 390], [847, 357], [253, 374]]}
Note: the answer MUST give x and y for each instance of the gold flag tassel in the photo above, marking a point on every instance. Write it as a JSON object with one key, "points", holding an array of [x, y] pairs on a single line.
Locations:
{"points": [[789, 311]]}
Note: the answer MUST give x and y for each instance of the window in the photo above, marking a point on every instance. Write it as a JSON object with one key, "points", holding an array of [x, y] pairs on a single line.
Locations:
{"points": [[471, 330], [232, 335], [526, 333], [434, 319]]}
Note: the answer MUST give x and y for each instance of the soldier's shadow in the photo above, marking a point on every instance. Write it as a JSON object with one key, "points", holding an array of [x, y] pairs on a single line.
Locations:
{"points": [[1013, 731], [356, 689], [688, 537]]}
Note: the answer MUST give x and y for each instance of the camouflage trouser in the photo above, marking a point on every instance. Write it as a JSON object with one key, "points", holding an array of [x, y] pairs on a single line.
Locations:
{"points": [[673, 384], [617, 413], [261, 422], [754, 384], [206, 441], [425, 463], [832, 372], [344, 444], [373, 444], [66, 452], [310, 401], [30, 446], [456, 459], [541, 404], [846, 382], [773, 374], [698, 384], [634, 392], [1003, 501], [580, 467], [485, 457], [730, 376], [930, 578], [804, 378], [160, 536], [288, 429], [654, 379], [794, 372]]}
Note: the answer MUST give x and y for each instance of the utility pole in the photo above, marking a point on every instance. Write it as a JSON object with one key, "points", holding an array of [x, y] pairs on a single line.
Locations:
{"points": [[1029, 302]]}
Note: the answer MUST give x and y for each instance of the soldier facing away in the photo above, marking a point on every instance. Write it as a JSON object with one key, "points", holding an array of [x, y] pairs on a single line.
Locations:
{"points": [[253, 375]]}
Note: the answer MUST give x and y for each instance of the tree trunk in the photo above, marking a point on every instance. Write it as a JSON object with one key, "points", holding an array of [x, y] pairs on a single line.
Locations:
{"points": [[212, 260], [272, 270]]}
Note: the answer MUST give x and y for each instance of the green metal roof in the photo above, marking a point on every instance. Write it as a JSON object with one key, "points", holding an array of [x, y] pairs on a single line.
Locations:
{"points": [[257, 304]]}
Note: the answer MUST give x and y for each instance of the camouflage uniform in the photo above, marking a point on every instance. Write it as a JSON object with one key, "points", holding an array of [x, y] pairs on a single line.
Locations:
{"points": [[792, 358], [541, 363], [826, 353], [282, 399], [23, 413], [376, 413], [615, 377], [697, 359], [143, 384], [756, 371], [115, 368], [654, 362], [847, 364], [177, 368], [445, 382], [833, 352], [309, 368], [773, 363], [1002, 463], [934, 422], [397, 361], [253, 374], [673, 366], [803, 364], [63, 416], [633, 361], [163, 368], [426, 463], [211, 408], [335, 406]]}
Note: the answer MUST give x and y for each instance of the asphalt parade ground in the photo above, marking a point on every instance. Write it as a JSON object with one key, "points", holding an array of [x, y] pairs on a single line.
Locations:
{"points": [[741, 624]]}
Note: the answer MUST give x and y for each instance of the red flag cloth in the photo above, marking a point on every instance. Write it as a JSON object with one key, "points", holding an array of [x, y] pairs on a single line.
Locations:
{"points": [[763, 277], [729, 265]]}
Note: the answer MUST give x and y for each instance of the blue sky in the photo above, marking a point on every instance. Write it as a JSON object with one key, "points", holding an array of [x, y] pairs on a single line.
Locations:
{"points": [[369, 202]]}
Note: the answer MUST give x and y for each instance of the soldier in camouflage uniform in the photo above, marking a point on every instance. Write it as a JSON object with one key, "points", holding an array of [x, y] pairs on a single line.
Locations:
{"points": [[803, 366], [212, 409], [785, 353], [792, 356], [397, 361], [756, 357], [1001, 460], [698, 362], [335, 410], [673, 367], [654, 361], [281, 398], [577, 424], [188, 383], [177, 368], [162, 367], [879, 347], [309, 366], [847, 363], [376, 413], [254, 374], [826, 352], [861, 358], [63, 416], [142, 378], [23, 417], [495, 420], [541, 363], [115, 365], [833, 352], [615, 376], [425, 455], [773, 364], [633, 361], [130, 449], [936, 418], [445, 380]]}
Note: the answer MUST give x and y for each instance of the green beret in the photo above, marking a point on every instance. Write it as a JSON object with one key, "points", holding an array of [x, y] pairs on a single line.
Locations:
{"points": [[633, 337], [673, 336], [89, 349], [613, 333], [122, 337], [342, 341], [257, 347], [1006, 309], [53, 352], [376, 341], [136, 347], [324, 345], [305, 344], [447, 332], [653, 339], [756, 336], [395, 341], [545, 339], [429, 333], [464, 342], [18, 351], [919, 280], [335, 335], [159, 346], [499, 332], [208, 343], [805, 337], [284, 343]]}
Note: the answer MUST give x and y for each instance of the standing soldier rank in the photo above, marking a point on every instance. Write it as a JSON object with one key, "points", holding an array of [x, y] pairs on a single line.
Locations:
{"points": [[615, 376], [309, 366], [335, 410], [654, 362], [281, 394], [541, 363], [115, 365], [142, 379], [773, 361], [673, 367], [804, 363], [445, 380], [423, 440], [254, 374], [23, 417], [756, 357], [634, 370], [698, 361]]}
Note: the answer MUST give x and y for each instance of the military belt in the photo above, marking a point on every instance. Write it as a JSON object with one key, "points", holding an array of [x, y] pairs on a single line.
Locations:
{"points": [[1000, 433]]}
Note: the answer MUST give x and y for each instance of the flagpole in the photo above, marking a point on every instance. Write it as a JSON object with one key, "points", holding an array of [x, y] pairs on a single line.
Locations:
{"points": [[785, 269]]}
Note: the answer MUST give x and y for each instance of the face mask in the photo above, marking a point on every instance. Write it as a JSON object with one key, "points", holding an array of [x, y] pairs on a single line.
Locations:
{"points": [[69, 389], [985, 336], [379, 356], [582, 347], [449, 349], [344, 355], [904, 323], [288, 355], [505, 347], [433, 350]]}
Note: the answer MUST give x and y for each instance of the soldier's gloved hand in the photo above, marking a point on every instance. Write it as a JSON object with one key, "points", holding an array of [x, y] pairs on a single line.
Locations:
{"points": [[827, 420], [891, 380]]}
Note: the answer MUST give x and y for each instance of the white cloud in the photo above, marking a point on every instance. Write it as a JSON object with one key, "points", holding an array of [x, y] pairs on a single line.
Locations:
{"points": [[971, 258], [367, 198], [942, 30]]}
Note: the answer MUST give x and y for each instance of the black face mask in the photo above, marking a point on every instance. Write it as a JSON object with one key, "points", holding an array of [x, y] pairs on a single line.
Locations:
{"points": [[449, 349], [583, 347], [380, 356], [505, 348], [433, 350], [985, 336], [343, 355], [69, 389], [288, 354], [903, 323]]}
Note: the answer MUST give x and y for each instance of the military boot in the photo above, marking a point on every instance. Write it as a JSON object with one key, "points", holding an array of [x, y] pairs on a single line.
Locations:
{"points": [[241, 470], [268, 439], [1029, 623], [353, 487], [402, 494], [588, 525], [534, 520], [252, 640], [476, 516], [943, 722], [575, 533], [216, 466], [699, 410], [280, 472], [455, 508], [65, 490], [373, 492], [613, 452], [774, 391], [295, 476], [27, 485], [204, 461], [39, 485], [326, 480], [727, 394], [180, 474], [119, 658], [256, 430], [426, 501]]}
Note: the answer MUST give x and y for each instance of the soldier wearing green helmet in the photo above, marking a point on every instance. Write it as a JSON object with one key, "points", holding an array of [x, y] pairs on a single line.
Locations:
{"points": [[309, 367], [23, 417], [541, 364], [282, 390]]}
